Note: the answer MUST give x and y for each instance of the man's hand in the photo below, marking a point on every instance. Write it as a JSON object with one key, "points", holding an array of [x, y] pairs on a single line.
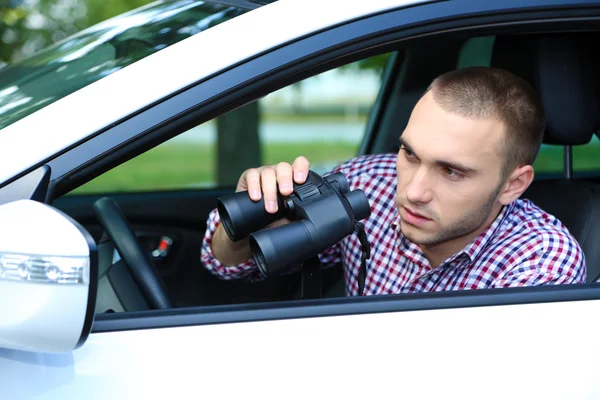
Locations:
{"points": [[268, 179], [265, 181]]}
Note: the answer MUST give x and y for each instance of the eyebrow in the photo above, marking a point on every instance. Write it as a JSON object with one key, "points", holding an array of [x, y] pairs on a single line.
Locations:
{"points": [[443, 163]]}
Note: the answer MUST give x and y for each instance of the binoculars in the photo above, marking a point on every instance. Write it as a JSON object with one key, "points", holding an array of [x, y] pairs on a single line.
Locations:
{"points": [[322, 210]]}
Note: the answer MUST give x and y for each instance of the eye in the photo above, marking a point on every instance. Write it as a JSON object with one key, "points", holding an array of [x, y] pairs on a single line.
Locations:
{"points": [[408, 154], [451, 174]]}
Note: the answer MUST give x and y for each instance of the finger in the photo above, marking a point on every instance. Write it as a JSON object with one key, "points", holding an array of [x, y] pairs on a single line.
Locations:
{"points": [[268, 182], [300, 167], [284, 178], [251, 181]]}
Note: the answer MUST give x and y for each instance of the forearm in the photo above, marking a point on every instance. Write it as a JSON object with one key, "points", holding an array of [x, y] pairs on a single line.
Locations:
{"points": [[233, 263], [229, 253]]}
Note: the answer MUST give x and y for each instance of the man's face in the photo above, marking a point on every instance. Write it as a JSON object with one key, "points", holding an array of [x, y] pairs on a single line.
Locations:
{"points": [[449, 174]]}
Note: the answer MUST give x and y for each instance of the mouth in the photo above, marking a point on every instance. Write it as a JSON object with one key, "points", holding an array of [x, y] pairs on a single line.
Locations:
{"points": [[416, 214], [412, 217]]}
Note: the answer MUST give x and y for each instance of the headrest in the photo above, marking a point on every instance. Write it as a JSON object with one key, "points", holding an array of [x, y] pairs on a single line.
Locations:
{"points": [[561, 69]]}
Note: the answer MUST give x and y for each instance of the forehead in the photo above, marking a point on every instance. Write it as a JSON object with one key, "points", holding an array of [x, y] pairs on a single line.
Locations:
{"points": [[435, 133]]}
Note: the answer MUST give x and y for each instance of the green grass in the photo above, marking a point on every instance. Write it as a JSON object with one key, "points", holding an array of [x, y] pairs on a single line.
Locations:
{"points": [[585, 158], [549, 159], [177, 165]]}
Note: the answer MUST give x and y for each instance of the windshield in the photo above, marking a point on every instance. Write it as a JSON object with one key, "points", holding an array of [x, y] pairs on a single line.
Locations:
{"points": [[94, 53]]}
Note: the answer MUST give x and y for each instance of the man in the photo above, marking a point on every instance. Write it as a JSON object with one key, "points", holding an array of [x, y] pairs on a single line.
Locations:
{"points": [[445, 211]]}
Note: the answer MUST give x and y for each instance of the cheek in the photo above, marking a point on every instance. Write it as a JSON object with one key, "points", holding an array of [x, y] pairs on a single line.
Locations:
{"points": [[457, 199]]}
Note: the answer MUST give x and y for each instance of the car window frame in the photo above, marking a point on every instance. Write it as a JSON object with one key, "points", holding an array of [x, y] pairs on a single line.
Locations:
{"points": [[238, 85]]}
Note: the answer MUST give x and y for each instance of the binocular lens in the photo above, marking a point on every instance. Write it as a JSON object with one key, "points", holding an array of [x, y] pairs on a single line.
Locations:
{"points": [[339, 181], [241, 215], [278, 249], [359, 203]]}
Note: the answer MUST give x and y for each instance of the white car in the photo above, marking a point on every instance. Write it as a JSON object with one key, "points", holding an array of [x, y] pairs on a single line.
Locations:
{"points": [[86, 121]]}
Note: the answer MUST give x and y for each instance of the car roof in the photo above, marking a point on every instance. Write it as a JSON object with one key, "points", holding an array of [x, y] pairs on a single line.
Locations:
{"points": [[116, 96]]}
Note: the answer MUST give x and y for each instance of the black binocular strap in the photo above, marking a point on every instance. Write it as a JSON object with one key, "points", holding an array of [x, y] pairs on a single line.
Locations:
{"points": [[359, 228]]}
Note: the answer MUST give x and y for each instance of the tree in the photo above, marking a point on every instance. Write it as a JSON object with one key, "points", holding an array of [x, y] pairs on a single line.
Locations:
{"points": [[238, 129]]}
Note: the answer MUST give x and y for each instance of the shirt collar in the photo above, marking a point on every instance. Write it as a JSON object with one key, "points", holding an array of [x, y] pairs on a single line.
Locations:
{"points": [[472, 250]]}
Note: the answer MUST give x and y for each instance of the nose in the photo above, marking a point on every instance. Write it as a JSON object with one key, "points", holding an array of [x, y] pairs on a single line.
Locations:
{"points": [[419, 188]]}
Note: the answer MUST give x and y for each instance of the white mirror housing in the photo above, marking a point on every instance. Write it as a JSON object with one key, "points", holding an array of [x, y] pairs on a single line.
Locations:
{"points": [[48, 279]]}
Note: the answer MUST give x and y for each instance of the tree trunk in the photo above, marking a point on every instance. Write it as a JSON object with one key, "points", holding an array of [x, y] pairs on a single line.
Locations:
{"points": [[238, 144]]}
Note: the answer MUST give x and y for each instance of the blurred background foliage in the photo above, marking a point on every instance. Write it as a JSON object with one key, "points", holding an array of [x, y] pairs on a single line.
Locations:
{"points": [[27, 26]]}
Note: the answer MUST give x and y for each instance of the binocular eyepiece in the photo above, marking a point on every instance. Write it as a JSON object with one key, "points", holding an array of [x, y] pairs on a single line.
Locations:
{"points": [[323, 211]]}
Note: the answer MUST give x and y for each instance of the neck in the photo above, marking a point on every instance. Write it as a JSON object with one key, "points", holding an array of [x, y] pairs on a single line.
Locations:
{"points": [[439, 252]]}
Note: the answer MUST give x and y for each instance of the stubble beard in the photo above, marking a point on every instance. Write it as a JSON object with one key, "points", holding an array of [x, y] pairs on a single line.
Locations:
{"points": [[467, 224]]}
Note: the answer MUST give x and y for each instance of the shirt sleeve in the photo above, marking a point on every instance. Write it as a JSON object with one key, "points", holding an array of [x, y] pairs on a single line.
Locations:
{"points": [[560, 261], [249, 269]]}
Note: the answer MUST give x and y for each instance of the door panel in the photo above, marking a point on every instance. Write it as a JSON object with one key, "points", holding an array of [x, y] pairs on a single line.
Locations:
{"points": [[534, 351]]}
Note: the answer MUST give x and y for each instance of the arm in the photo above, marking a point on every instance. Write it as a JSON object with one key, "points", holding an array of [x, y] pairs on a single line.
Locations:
{"points": [[245, 268]]}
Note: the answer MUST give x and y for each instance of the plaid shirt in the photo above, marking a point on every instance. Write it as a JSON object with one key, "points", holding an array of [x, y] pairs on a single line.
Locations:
{"points": [[524, 246]]}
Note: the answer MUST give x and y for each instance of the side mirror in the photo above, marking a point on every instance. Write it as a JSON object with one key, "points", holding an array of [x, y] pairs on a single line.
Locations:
{"points": [[48, 279]]}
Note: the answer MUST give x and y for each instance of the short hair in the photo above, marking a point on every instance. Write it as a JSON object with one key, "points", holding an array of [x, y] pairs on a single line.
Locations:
{"points": [[482, 92]]}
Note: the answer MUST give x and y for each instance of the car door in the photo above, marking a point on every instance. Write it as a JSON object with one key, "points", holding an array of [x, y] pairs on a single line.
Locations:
{"points": [[459, 352], [487, 343]]}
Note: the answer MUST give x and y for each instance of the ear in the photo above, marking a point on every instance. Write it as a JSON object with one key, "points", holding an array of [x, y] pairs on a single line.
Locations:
{"points": [[518, 181]]}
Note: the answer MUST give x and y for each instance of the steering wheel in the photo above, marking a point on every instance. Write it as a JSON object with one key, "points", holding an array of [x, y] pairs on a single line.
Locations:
{"points": [[143, 271]]}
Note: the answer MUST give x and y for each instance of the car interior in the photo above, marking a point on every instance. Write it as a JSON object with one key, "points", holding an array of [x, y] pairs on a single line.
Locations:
{"points": [[169, 225]]}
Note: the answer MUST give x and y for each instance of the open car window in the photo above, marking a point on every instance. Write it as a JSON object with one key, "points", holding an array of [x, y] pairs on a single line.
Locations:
{"points": [[323, 118]]}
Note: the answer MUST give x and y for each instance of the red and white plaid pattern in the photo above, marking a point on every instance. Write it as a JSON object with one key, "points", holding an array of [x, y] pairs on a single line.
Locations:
{"points": [[523, 247]]}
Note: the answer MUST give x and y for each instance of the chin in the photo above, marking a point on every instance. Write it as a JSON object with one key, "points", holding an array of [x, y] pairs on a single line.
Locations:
{"points": [[413, 234]]}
